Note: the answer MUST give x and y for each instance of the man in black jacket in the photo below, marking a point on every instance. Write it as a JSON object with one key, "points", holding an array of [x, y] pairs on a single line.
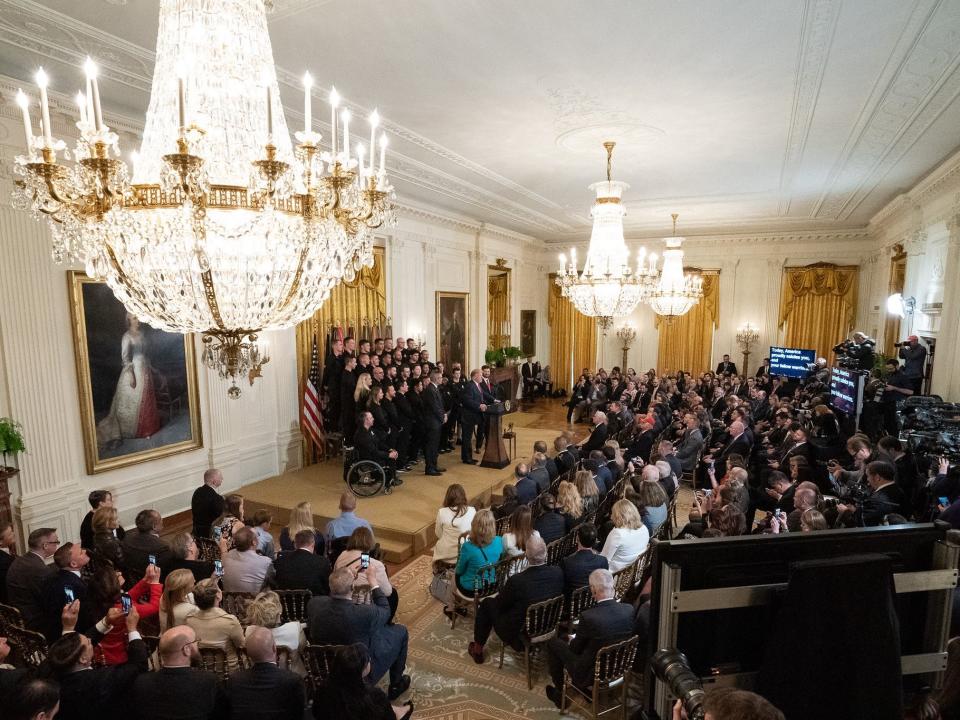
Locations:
{"points": [[8, 547], [302, 569], [206, 505], [473, 401], [265, 691], [598, 436], [551, 524], [725, 366], [65, 587], [28, 573], [332, 374], [97, 500], [564, 459], [348, 406], [886, 496], [370, 446], [578, 566], [145, 541], [606, 623], [433, 419], [506, 612]]}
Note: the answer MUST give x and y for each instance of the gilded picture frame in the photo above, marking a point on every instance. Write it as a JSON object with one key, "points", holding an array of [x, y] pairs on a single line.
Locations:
{"points": [[453, 329], [137, 386], [528, 333]]}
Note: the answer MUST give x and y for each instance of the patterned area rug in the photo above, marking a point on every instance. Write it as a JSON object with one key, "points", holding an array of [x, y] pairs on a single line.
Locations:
{"points": [[447, 684]]}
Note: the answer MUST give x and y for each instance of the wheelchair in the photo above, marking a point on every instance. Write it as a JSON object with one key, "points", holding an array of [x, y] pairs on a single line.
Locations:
{"points": [[366, 478]]}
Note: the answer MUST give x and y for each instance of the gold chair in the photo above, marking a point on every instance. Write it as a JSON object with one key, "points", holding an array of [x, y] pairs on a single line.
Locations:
{"points": [[317, 660], [361, 594], [9, 617], [503, 525], [236, 603], [623, 580], [580, 599], [610, 671], [540, 626], [31, 646], [488, 581], [294, 604], [207, 549], [215, 660]]}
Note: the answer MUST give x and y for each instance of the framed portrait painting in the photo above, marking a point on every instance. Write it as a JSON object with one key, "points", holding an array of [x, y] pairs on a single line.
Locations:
{"points": [[452, 329], [137, 385], [528, 332]]}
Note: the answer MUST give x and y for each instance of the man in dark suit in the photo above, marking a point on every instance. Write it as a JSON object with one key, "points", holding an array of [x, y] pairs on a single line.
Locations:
{"points": [[528, 378], [606, 623], [506, 612], [552, 470], [370, 446], [302, 569], [8, 547], [798, 447], [206, 505], [738, 444], [602, 476], [28, 573], [525, 486], [177, 691], [63, 588], [726, 366], [97, 500], [348, 406], [332, 374], [433, 419], [335, 619], [265, 691], [641, 441], [886, 496], [539, 473], [598, 436], [578, 566], [473, 401], [564, 458], [551, 524], [145, 541]]}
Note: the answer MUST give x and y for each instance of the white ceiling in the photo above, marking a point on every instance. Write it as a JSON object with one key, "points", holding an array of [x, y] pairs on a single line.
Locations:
{"points": [[740, 114]]}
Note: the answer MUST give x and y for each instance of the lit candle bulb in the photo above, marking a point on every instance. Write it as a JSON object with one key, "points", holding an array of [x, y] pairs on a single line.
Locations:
{"points": [[82, 105], [345, 117], [307, 102], [269, 113], [374, 121], [134, 159], [24, 104], [361, 152], [334, 101], [93, 89], [563, 264], [653, 261], [383, 153], [42, 81]]}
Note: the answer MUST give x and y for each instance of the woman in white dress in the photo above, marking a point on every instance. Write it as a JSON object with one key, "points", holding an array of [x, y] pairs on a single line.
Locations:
{"points": [[453, 520], [629, 537], [133, 412]]}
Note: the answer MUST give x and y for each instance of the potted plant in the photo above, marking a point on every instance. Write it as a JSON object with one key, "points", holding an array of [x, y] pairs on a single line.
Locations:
{"points": [[495, 357], [11, 443], [513, 354]]}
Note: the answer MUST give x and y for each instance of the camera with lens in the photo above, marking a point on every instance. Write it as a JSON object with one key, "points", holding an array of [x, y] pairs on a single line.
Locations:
{"points": [[673, 669]]}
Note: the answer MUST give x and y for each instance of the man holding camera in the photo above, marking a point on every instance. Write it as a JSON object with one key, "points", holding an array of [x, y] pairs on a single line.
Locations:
{"points": [[914, 356], [885, 497]]}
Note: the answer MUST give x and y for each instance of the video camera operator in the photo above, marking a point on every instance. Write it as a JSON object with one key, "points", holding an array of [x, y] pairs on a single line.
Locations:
{"points": [[857, 353], [897, 386], [914, 356]]}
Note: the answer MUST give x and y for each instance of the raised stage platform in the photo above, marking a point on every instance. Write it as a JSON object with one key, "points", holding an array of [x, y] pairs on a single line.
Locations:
{"points": [[403, 522]]}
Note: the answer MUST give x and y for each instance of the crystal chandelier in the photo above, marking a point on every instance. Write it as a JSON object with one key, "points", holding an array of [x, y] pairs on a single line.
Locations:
{"points": [[675, 293], [608, 286], [219, 225]]}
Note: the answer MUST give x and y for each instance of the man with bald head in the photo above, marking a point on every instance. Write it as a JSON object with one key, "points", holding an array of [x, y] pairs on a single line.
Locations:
{"points": [[177, 691], [507, 611], [738, 443], [265, 691]]}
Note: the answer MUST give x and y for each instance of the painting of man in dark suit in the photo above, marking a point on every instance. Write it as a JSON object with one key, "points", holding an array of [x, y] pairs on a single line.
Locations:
{"points": [[452, 329]]}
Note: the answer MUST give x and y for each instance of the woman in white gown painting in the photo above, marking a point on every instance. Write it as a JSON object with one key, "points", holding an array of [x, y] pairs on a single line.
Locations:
{"points": [[133, 412]]}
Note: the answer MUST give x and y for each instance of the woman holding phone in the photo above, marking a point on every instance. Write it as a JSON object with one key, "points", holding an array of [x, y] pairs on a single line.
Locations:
{"points": [[357, 558], [106, 591]]}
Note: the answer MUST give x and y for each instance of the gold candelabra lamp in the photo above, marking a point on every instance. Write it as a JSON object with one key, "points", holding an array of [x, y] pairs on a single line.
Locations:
{"points": [[627, 334], [746, 337]]}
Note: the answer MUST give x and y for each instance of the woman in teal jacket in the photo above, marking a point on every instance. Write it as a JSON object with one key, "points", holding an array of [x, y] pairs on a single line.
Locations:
{"points": [[482, 547]]}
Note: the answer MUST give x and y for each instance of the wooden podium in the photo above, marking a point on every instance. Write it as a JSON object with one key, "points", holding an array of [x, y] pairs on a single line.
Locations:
{"points": [[495, 452]]}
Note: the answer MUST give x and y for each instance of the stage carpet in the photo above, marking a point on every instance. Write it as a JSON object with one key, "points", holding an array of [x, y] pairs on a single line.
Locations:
{"points": [[403, 522]]}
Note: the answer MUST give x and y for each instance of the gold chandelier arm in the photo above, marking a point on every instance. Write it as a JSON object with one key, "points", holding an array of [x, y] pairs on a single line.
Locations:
{"points": [[295, 283]]}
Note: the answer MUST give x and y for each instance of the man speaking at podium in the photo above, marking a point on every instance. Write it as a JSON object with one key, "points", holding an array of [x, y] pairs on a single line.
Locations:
{"points": [[475, 399]]}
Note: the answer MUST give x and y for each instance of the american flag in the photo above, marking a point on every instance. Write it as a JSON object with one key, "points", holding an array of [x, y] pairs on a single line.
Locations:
{"points": [[312, 419]]}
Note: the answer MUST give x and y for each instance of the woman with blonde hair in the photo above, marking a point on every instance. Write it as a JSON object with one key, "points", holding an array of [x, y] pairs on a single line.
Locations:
{"points": [[570, 504], [629, 537], [301, 518], [483, 547], [454, 519], [588, 490], [521, 530], [618, 453], [362, 391], [266, 611], [214, 626], [176, 603], [231, 521], [812, 519], [106, 546]]}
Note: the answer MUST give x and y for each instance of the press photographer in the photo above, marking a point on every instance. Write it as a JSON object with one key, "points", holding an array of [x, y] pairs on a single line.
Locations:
{"points": [[857, 353], [914, 356]]}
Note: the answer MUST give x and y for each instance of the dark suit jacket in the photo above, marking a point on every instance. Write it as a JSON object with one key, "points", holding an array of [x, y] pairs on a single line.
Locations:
{"points": [[54, 598], [541, 477], [641, 444], [564, 461], [552, 470], [206, 506], [99, 693], [25, 580], [727, 367], [137, 546], [551, 526], [303, 570], [265, 692], [370, 446], [432, 407], [888, 499], [536, 583], [86, 531], [178, 694], [601, 625], [472, 398], [596, 440], [201, 569], [526, 490], [604, 479], [6, 560], [740, 446], [578, 566]]}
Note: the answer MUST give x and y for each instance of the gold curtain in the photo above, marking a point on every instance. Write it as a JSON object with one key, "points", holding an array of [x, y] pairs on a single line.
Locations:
{"points": [[498, 306], [569, 331], [360, 304], [686, 342], [818, 306]]}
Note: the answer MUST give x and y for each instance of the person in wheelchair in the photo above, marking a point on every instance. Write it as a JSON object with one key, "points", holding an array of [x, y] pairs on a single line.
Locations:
{"points": [[370, 445]]}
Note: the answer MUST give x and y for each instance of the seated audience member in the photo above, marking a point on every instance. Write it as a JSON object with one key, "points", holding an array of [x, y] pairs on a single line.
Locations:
{"points": [[350, 696], [64, 587], [9, 675], [804, 498], [690, 444], [482, 547], [551, 524], [538, 472], [669, 456], [521, 530], [206, 505], [668, 481], [265, 611], [335, 619], [303, 569], [106, 543], [27, 575], [606, 623], [97, 499], [729, 521], [598, 435], [301, 518], [885, 497], [453, 520], [262, 519], [243, 569], [347, 521], [144, 541], [264, 691], [34, 699], [812, 519], [230, 522], [184, 556], [652, 499], [601, 473], [588, 490], [214, 626], [578, 565], [176, 603], [510, 502], [695, 525], [177, 691], [563, 458], [8, 549], [359, 544], [728, 703], [94, 692], [106, 589], [629, 537], [525, 486], [570, 505], [506, 612], [553, 471]]}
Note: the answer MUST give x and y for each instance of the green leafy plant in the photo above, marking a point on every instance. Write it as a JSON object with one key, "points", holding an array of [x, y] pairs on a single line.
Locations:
{"points": [[513, 352], [880, 363], [11, 438], [495, 357]]}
